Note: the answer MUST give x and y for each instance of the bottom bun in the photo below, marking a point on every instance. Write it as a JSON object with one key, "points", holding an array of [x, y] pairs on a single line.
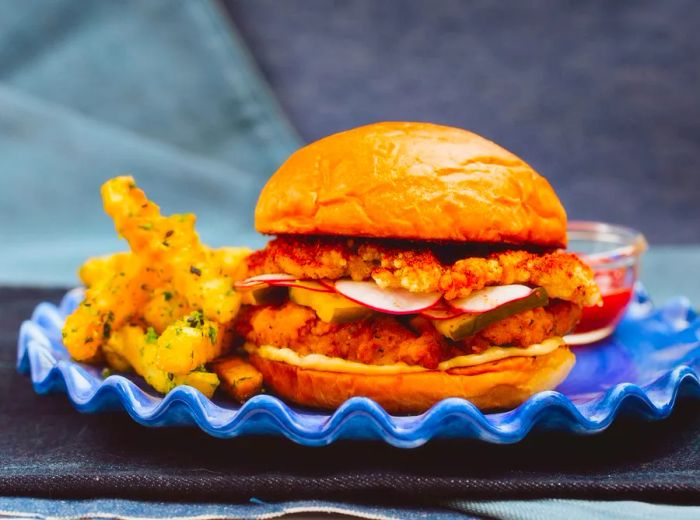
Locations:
{"points": [[496, 385]]}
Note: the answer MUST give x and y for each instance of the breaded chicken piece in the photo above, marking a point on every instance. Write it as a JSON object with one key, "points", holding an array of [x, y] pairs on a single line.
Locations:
{"points": [[382, 339], [562, 275], [379, 340], [423, 268], [529, 327]]}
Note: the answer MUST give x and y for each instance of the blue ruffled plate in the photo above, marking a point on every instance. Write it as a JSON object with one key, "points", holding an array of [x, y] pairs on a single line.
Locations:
{"points": [[652, 358]]}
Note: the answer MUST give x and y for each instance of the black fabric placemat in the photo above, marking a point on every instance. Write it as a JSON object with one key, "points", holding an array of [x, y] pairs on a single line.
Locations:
{"points": [[48, 449]]}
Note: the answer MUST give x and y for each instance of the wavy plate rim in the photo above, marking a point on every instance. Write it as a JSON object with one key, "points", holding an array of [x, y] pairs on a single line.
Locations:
{"points": [[360, 417]]}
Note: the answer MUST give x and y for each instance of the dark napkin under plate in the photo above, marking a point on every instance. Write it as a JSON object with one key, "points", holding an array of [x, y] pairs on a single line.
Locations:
{"points": [[48, 449]]}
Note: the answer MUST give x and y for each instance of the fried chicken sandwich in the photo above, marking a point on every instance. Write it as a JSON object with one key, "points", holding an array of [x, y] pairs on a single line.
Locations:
{"points": [[412, 263]]}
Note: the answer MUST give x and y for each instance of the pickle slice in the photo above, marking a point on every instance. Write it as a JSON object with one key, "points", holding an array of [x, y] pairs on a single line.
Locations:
{"points": [[329, 307], [467, 325], [268, 295]]}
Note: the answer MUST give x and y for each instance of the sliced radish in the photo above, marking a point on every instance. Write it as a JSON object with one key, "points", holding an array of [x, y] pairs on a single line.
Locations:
{"points": [[490, 298], [281, 280], [390, 301], [263, 279], [329, 284], [311, 285], [441, 312]]}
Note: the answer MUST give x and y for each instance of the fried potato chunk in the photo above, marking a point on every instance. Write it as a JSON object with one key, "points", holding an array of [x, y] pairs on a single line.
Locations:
{"points": [[173, 250], [140, 350], [163, 309], [239, 379], [165, 306], [189, 343], [110, 302]]}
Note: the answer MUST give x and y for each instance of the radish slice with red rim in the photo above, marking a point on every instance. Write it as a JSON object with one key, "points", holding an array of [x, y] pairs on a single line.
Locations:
{"points": [[263, 279], [490, 298], [281, 280], [311, 285], [329, 284], [389, 301], [441, 312]]}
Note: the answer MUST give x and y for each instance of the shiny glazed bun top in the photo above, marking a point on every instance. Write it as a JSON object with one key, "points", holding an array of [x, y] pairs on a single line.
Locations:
{"points": [[411, 181]]}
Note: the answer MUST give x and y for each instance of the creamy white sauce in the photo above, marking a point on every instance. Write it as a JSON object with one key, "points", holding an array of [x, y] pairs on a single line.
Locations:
{"points": [[333, 364]]}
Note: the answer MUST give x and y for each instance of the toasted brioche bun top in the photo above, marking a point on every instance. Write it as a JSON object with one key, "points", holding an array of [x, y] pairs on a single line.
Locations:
{"points": [[411, 181]]}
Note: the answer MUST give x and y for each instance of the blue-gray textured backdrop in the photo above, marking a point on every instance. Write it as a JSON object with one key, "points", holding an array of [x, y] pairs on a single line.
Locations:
{"points": [[601, 97]]}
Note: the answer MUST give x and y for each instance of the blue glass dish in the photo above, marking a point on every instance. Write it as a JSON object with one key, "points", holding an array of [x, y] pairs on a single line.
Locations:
{"points": [[652, 358]]}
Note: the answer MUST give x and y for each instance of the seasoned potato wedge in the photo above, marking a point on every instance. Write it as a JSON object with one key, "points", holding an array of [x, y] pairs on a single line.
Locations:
{"points": [[163, 309], [239, 379]]}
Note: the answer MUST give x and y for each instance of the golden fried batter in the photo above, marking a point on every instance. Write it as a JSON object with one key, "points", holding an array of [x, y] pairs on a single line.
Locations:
{"points": [[420, 267], [379, 340], [529, 327], [382, 339]]}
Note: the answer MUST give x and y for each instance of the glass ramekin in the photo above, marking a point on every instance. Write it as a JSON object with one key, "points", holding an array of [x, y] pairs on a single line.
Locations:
{"points": [[613, 252]]}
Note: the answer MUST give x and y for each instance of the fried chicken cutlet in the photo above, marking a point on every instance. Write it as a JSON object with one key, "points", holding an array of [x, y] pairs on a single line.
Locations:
{"points": [[426, 268]]}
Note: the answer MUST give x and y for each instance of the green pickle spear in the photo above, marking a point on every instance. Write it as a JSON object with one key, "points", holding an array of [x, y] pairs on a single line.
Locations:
{"points": [[469, 324]]}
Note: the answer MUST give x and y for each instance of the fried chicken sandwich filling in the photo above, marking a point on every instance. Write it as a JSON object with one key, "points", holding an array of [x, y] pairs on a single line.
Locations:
{"points": [[306, 323]]}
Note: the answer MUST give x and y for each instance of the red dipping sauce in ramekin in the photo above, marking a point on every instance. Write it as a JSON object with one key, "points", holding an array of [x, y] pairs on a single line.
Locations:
{"points": [[613, 252]]}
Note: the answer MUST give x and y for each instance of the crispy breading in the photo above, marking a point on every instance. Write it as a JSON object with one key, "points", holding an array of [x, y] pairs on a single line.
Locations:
{"points": [[162, 309], [382, 339], [421, 267], [562, 275], [532, 326], [379, 340]]}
